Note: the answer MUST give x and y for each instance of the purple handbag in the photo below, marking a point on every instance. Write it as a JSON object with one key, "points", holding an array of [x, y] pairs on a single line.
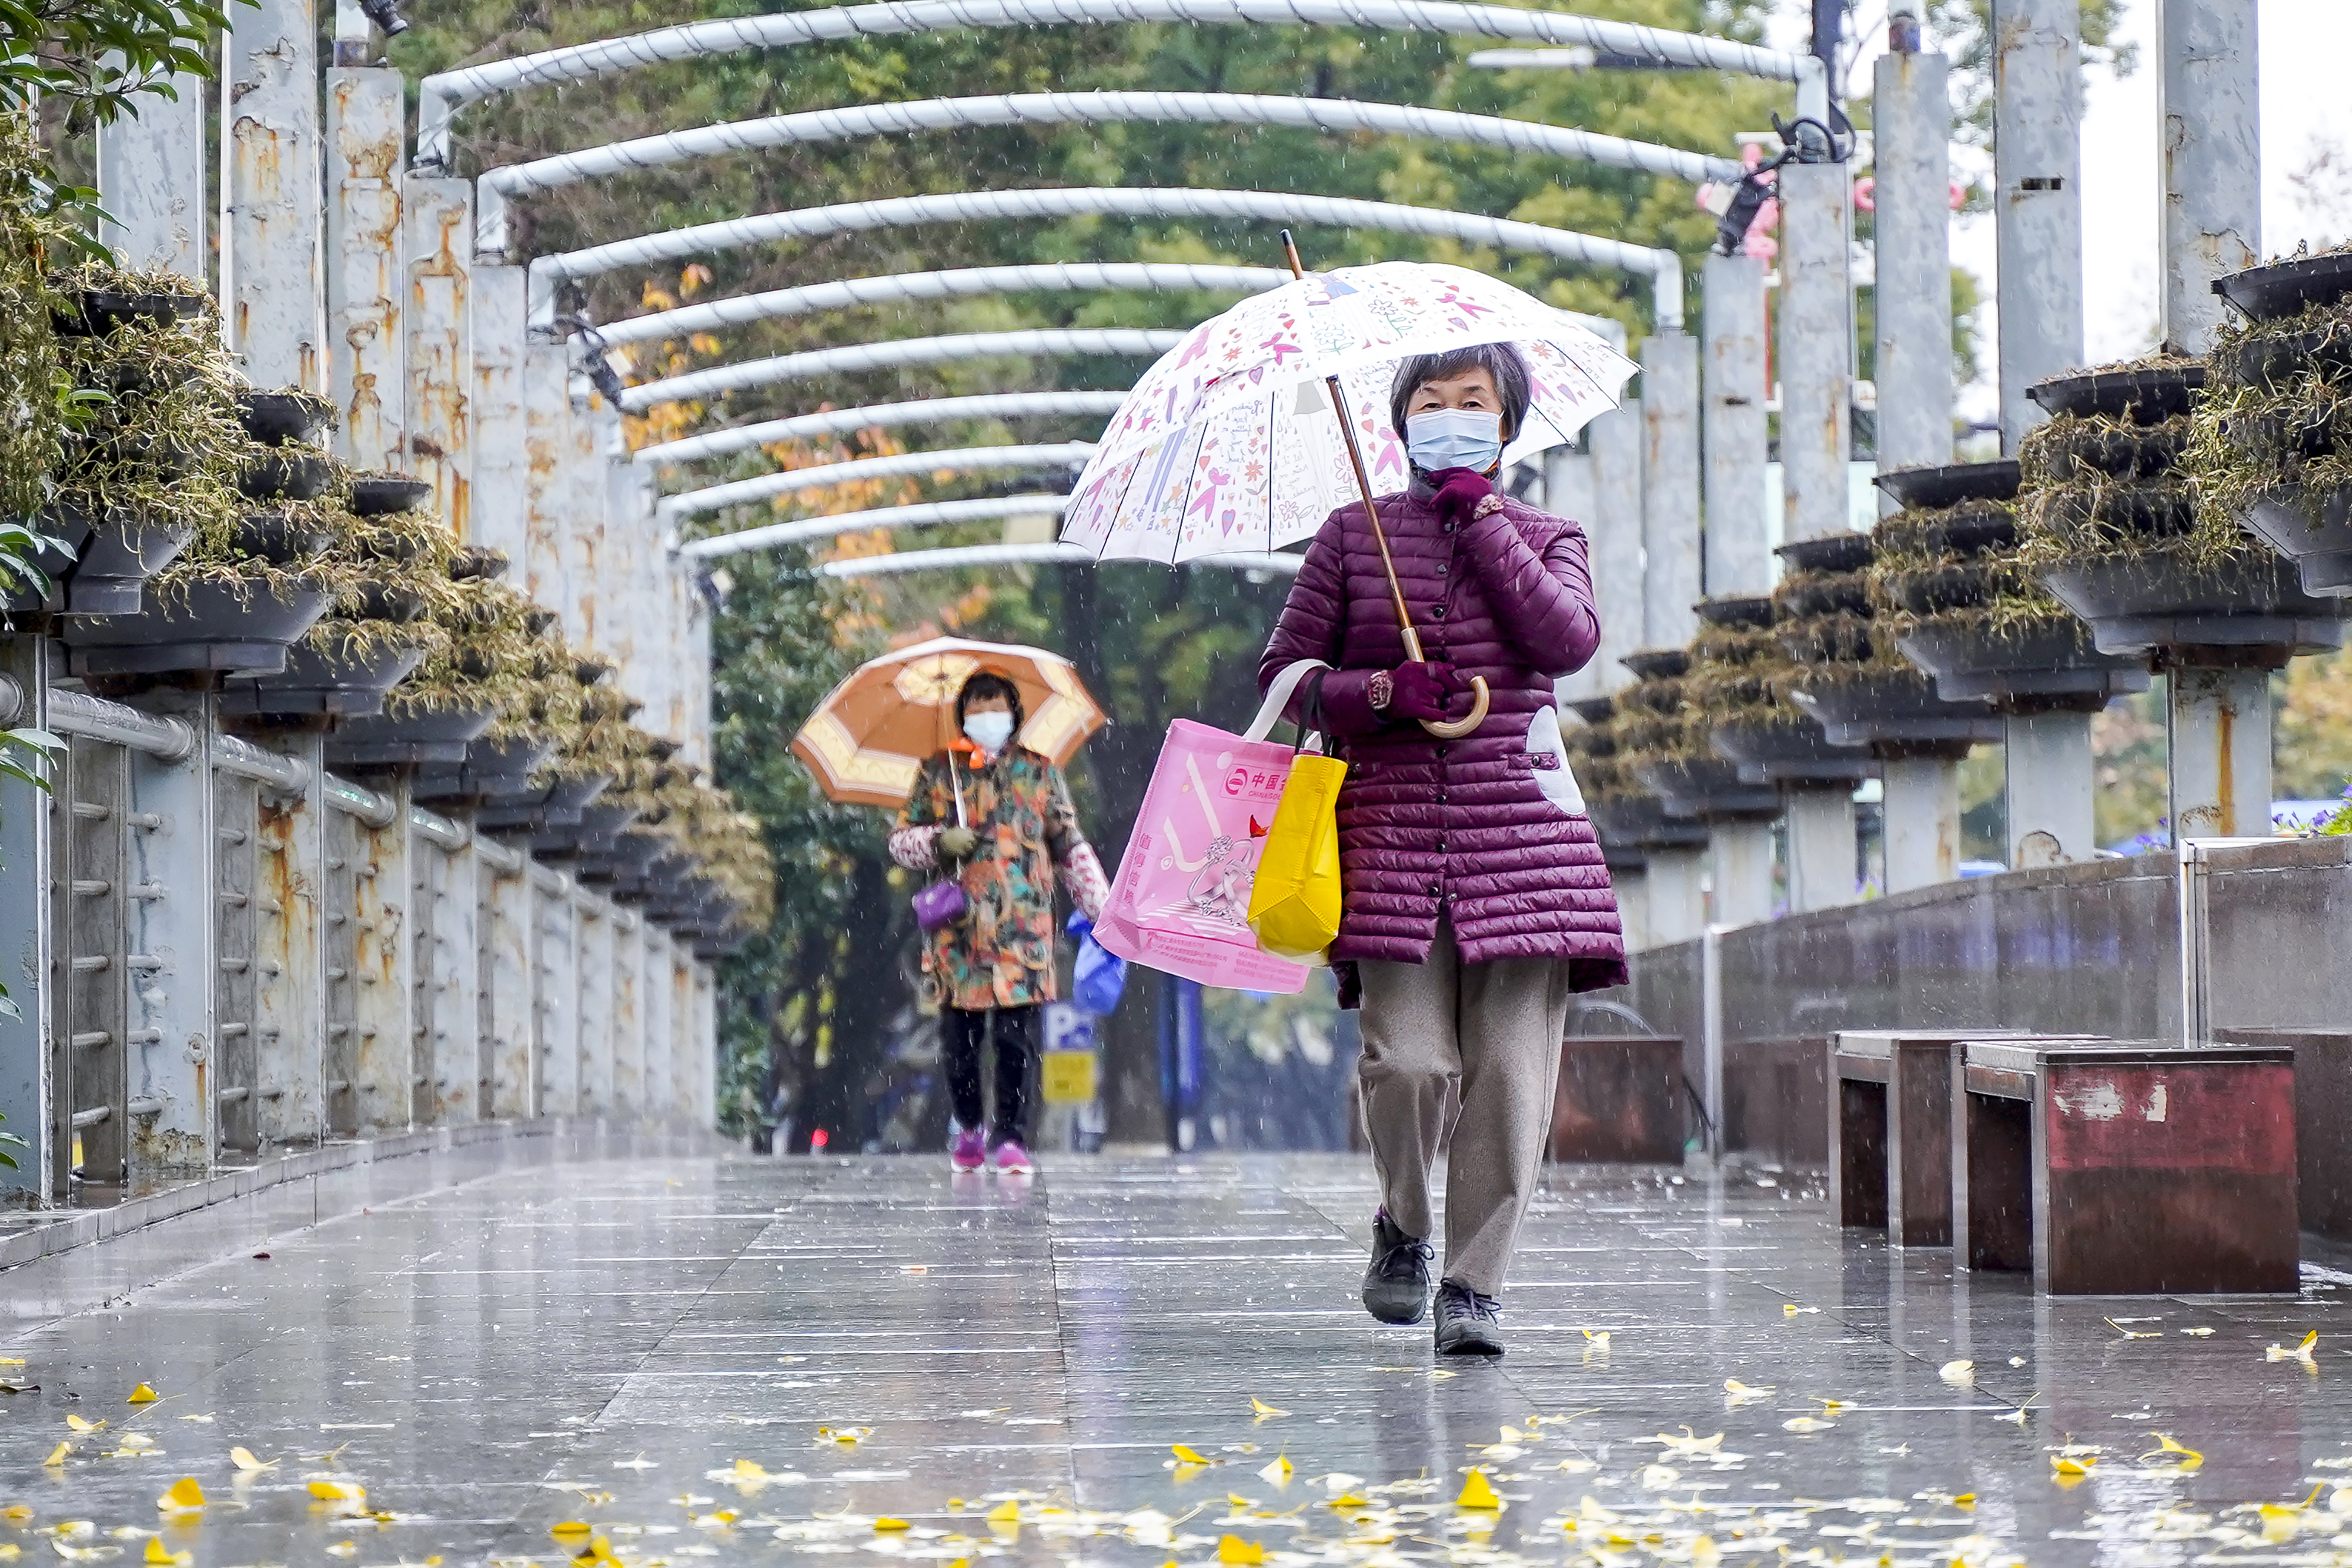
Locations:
{"points": [[942, 904]]}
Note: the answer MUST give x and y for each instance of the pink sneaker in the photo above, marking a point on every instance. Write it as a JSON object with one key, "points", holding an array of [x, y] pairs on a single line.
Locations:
{"points": [[967, 1154], [1011, 1159]]}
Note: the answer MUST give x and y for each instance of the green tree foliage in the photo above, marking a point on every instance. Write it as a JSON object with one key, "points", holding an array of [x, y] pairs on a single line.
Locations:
{"points": [[1963, 29], [102, 55]]}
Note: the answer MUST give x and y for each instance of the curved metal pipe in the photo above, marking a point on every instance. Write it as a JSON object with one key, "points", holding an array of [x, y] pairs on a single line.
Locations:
{"points": [[880, 416], [928, 514], [1663, 266], [498, 187], [1070, 454], [439, 96], [1056, 553], [351, 799], [955, 283], [894, 353], [160, 735], [439, 830]]}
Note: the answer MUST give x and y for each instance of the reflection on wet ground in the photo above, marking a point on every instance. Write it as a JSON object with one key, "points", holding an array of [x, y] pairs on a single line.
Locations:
{"points": [[1145, 1361]]}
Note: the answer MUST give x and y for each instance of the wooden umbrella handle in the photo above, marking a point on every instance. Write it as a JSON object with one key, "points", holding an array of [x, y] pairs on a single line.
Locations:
{"points": [[1445, 729]]}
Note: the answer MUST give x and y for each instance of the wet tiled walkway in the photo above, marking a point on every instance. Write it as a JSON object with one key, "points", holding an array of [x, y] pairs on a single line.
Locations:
{"points": [[750, 1362]]}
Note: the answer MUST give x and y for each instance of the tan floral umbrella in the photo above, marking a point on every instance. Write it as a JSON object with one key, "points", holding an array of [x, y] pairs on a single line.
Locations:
{"points": [[873, 732]]}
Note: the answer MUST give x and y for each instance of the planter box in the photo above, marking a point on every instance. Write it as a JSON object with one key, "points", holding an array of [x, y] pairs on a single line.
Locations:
{"points": [[1619, 1101], [1932, 489], [1793, 754], [73, 531], [2151, 393], [2052, 667], [118, 558], [317, 680], [1898, 708], [1709, 788], [381, 494], [404, 737], [2312, 529], [237, 627], [2134, 605], [1643, 822], [2288, 287]]}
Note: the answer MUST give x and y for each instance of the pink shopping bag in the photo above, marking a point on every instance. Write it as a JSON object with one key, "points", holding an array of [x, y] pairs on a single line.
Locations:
{"points": [[1181, 901]]}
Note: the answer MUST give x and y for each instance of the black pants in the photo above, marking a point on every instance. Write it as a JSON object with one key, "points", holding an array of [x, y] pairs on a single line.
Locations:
{"points": [[1016, 1047]]}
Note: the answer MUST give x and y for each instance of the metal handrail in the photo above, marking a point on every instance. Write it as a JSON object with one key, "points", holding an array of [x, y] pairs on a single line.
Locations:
{"points": [[926, 515], [893, 353], [879, 416], [1071, 454]]}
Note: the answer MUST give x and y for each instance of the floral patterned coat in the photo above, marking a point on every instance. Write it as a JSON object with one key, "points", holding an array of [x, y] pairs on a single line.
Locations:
{"points": [[1001, 953]]}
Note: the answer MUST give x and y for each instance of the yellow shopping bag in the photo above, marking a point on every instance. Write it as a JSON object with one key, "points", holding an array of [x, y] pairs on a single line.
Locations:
{"points": [[1293, 908]]}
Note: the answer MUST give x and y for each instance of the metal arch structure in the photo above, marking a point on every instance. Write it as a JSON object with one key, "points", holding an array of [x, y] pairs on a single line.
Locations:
{"points": [[441, 96], [893, 353], [1665, 268], [955, 283], [673, 509], [498, 188], [880, 415], [1273, 562], [928, 514]]}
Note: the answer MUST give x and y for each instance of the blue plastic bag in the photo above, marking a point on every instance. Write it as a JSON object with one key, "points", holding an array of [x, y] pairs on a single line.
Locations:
{"points": [[1100, 975]]}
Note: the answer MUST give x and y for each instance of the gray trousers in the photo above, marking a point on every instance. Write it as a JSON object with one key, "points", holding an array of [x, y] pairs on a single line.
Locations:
{"points": [[1484, 1038]]}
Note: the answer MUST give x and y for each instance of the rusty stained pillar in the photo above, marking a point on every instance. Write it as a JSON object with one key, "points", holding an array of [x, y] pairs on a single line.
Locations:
{"points": [[592, 925], [448, 981], [436, 245], [543, 568], [172, 1046], [298, 1105], [558, 988], [2037, 199], [151, 181], [498, 509], [26, 932], [365, 118], [385, 1054], [1670, 496], [1735, 428], [273, 201], [508, 993], [2212, 159]]}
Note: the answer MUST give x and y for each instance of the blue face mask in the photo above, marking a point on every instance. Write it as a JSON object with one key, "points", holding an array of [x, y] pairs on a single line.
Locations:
{"points": [[1454, 438]]}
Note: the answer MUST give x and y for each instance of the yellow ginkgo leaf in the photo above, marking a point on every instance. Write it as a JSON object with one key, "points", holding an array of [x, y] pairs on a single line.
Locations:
{"points": [[1599, 1338], [2199, 1332], [2187, 1457], [1478, 1492], [749, 1471], [1234, 1549], [891, 1525], [157, 1552], [142, 1394], [1004, 1513], [80, 1425], [2301, 1352], [1966, 1500], [1278, 1472], [1806, 1424], [58, 1455], [2069, 1465], [1959, 1373], [570, 1530], [244, 1460], [339, 1491], [1264, 1409], [184, 1495], [1187, 1454], [1350, 1499], [1742, 1393], [1705, 1552], [16, 1512]]}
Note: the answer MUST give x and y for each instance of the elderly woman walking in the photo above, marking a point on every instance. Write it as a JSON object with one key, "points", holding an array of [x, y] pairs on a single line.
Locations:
{"points": [[1475, 899]]}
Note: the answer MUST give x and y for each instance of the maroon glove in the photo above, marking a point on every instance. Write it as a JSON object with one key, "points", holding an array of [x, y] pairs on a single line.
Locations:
{"points": [[1458, 491], [1421, 690]]}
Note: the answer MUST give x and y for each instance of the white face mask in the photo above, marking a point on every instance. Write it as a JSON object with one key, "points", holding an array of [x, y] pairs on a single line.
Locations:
{"points": [[988, 731], [1454, 438]]}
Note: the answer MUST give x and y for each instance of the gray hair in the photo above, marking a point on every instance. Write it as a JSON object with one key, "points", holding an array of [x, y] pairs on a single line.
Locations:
{"points": [[1499, 361]]}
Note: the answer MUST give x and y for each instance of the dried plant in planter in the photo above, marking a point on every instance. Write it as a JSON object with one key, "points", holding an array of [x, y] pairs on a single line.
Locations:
{"points": [[34, 391], [161, 441], [1958, 566], [2111, 486], [1740, 673]]}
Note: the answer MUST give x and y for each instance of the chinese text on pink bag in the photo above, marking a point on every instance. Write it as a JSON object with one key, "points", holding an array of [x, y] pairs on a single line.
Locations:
{"points": [[1181, 901]]}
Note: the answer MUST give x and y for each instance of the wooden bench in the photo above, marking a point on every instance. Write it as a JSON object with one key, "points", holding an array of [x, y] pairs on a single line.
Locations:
{"points": [[2322, 1123], [1620, 1100], [2125, 1167], [1776, 1098], [1890, 1124]]}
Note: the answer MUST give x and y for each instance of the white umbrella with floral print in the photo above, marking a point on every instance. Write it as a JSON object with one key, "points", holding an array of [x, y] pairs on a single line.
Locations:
{"points": [[1231, 443]]}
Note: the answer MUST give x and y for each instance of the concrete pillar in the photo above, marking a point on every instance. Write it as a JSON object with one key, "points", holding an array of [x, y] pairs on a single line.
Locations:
{"points": [[437, 222], [1670, 489], [655, 997], [559, 994], [1923, 822], [1913, 124], [172, 1047], [510, 990], [450, 974], [24, 938], [151, 181], [2037, 199], [366, 110], [1676, 882], [1616, 441], [629, 1014], [542, 570], [1633, 891], [2212, 159], [273, 201], [685, 1077], [2050, 779], [703, 1052], [1738, 554], [500, 504], [593, 944], [1740, 857], [290, 869], [1822, 848], [389, 912], [1816, 341], [2218, 752], [1568, 493]]}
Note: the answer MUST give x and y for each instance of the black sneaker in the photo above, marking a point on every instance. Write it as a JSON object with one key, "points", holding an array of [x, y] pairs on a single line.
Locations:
{"points": [[1466, 1321], [1396, 1283]]}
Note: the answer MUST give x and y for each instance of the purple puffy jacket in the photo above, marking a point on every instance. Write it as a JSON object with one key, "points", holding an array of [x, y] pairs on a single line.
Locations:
{"points": [[1460, 827]]}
